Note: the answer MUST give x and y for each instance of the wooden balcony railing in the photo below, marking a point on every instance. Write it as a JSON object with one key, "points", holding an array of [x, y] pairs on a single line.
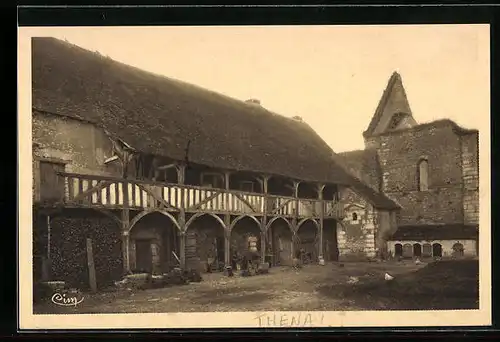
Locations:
{"points": [[90, 190]]}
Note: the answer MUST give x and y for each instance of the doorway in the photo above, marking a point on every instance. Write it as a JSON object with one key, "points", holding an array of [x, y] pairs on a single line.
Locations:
{"points": [[144, 256]]}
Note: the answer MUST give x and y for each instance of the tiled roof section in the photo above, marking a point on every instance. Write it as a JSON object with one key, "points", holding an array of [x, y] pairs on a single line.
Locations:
{"points": [[436, 232], [161, 116]]}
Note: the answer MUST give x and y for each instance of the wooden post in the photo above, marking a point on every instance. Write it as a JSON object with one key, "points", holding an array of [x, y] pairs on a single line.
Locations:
{"points": [[181, 173], [227, 248], [125, 229], [91, 266], [182, 246], [321, 219], [227, 240], [296, 196], [264, 234], [181, 178]]}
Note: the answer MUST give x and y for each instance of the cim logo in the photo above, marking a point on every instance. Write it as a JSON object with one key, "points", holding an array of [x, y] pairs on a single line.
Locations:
{"points": [[65, 300]]}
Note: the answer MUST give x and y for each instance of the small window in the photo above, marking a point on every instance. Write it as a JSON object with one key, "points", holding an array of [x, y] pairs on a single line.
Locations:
{"points": [[354, 217], [423, 175], [247, 186]]}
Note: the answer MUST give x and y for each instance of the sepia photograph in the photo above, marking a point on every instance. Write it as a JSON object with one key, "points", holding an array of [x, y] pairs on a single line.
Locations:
{"points": [[254, 176]]}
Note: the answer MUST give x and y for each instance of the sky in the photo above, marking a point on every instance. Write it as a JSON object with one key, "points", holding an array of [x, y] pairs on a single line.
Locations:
{"points": [[331, 76]]}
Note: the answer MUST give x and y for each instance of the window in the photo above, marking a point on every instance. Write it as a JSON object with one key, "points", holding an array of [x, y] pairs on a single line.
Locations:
{"points": [[247, 186], [423, 175], [396, 120], [51, 184], [354, 217]]}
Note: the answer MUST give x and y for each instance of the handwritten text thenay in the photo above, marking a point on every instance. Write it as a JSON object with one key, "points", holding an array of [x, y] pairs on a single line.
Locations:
{"points": [[301, 319]]}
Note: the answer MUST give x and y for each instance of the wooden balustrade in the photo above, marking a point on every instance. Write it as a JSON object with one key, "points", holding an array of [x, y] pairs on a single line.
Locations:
{"points": [[89, 190]]}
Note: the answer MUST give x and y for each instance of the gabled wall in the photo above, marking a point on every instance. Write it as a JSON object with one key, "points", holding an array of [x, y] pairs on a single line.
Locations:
{"points": [[367, 235], [400, 153]]}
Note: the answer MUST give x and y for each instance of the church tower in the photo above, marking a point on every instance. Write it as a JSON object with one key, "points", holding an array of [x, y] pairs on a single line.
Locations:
{"points": [[393, 112]]}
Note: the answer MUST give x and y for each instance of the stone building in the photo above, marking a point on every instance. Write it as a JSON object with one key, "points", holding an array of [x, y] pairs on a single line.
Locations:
{"points": [[430, 170]]}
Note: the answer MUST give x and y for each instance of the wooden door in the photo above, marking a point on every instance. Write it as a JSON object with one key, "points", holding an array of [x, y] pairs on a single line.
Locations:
{"points": [[143, 255], [51, 184]]}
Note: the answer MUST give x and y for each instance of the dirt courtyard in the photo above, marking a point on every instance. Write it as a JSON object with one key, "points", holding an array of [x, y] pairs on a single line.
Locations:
{"points": [[333, 287]]}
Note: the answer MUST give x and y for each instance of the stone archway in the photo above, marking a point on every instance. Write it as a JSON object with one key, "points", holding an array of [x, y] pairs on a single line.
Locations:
{"points": [[205, 243], [307, 240], [245, 239], [398, 250], [280, 242], [407, 250], [458, 250], [154, 245], [437, 250], [417, 250]]}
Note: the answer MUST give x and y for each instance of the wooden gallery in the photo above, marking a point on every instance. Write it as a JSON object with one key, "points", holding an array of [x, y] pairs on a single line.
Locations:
{"points": [[158, 173]]}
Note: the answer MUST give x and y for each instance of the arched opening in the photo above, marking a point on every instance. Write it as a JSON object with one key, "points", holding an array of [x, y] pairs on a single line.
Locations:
{"points": [[280, 242], [407, 250], [153, 244], [245, 243], [437, 250], [427, 250], [354, 217], [398, 250], [330, 242], [458, 250], [307, 241], [423, 175], [417, 250], [205, 236]]}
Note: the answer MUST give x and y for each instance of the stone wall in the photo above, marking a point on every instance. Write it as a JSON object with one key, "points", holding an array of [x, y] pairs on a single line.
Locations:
{"points": [[470, 175], [356, 233], [400, 153], [84, 146]]}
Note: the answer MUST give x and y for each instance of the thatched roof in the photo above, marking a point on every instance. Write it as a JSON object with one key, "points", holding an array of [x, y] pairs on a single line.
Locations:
{"points": [[159, 115], [436, 232]]}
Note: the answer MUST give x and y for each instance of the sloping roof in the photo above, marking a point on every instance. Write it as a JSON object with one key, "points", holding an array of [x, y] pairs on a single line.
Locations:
{"points": [[367, 164], [394, 80], [364, 164], [378, 199], [436, 232], [158, 115]]}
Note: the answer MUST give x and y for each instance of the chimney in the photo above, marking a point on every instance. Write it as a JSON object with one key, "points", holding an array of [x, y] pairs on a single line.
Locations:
{"points": [[298, 118], [253, 101]]}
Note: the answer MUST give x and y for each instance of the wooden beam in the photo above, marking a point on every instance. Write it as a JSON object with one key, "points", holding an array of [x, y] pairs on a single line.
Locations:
{"points": [[101, 185], [91, 266], [165, 167], [206, 200], [240, 197], [281, 206], [155, 196]]}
